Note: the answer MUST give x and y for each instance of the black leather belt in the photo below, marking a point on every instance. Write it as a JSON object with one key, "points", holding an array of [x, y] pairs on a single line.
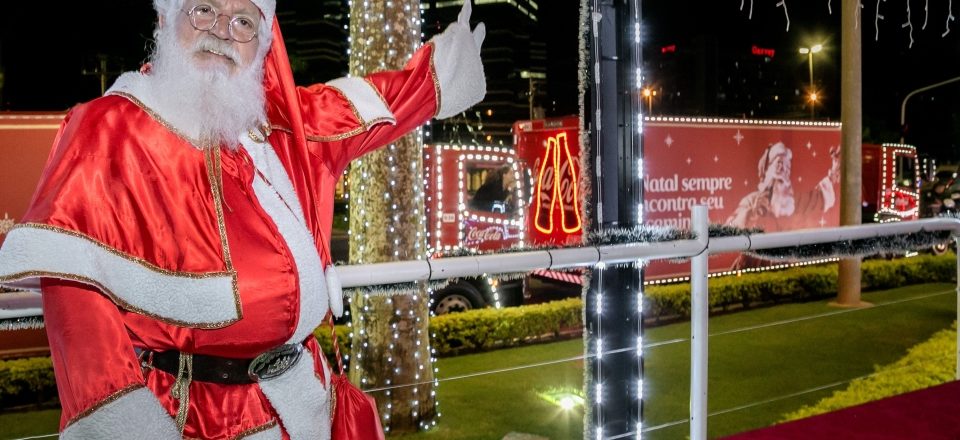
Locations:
{"points": [[205, 368], [223, 370]]}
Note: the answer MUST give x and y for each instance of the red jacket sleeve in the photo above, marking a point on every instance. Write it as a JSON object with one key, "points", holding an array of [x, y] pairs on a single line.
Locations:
{"points": [[93, 358], [410, 95]]}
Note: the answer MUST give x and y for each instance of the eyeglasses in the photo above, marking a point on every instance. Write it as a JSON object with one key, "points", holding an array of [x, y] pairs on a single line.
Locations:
{"points": [[204, 17]]}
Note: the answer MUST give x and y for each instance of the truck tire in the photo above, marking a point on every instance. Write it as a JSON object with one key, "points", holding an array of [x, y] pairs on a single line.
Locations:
{"points": [[457, 297], [940, 248]]}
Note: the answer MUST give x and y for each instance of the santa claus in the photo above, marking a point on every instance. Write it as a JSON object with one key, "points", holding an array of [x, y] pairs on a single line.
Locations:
{"points": [[773, 205], [180, 230]]}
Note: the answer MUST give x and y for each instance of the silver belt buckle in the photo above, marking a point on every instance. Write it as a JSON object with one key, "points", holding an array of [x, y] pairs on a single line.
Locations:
{"points": [[273, 363]]}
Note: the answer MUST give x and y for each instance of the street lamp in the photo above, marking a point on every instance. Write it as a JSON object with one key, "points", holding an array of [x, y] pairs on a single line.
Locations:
{"points": [[649, 93], [809, 51], [813, 103], [532, 77], [903, 106]]}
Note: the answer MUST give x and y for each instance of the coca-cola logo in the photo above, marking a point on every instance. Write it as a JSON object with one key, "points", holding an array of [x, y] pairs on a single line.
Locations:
{"points": [[557, 185], [489, 233]]}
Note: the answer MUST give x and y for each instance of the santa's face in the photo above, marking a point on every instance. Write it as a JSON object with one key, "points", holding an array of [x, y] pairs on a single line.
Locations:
{"points": [[215, 49], [206, 84], [779, 169]]}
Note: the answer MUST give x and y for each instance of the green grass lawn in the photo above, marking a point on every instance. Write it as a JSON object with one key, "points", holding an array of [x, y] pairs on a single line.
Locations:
{"points": [[26, 424], [746, 367], [767, 363]]}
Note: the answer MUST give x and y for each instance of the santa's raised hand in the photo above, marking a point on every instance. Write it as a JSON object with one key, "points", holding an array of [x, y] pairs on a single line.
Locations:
{"points": [[458, 65]]}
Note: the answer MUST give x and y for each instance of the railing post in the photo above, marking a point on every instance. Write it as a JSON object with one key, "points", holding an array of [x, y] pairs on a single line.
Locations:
{"points": [[699, 314]]}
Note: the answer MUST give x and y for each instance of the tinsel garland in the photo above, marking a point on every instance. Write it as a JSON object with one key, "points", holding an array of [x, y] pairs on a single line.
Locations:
{"points": [[583, 85], [23, 323], [392, 289], [640, 234], [893, 244]]}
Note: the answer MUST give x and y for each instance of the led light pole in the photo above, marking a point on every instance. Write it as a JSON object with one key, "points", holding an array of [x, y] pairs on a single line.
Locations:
{"points": [[809, 51]]}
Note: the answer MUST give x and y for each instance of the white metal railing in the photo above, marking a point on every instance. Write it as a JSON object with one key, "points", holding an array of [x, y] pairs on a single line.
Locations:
{"points": [[699, 249]]}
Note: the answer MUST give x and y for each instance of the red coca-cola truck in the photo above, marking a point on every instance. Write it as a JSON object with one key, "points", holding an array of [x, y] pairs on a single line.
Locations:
{"points": [[774, 175]]}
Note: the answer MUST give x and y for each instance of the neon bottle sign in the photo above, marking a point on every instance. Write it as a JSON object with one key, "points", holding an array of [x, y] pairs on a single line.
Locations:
{"points": [[557, 185]]}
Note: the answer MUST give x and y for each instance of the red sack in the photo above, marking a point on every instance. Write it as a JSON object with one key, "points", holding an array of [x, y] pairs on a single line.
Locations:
{"points": [[353, 413]]}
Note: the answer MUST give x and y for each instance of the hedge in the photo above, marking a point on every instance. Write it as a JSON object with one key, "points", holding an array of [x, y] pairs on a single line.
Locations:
{"points": [[927, 364], [796, 284], [484, 329], [26, 381]]}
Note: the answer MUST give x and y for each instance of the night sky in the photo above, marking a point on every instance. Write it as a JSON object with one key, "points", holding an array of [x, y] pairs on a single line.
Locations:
{"points": [[46, 75], [891, 69]]}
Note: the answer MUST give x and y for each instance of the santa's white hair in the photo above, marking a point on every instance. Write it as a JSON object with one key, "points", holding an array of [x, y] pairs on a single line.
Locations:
{"points": [[267, 8], [211, 106]]}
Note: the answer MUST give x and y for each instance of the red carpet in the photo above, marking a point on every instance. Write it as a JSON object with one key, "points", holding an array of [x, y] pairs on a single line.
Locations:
{"points": [[932, 413]]}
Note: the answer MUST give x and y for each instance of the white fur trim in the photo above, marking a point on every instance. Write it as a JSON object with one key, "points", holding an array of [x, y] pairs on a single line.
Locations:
{"points": [[136, 84], [30, 253], [135, 415], [268, 163], [314, 302], [365, 99], [335, 291], [274, 433], [456, 59], [267, 7], [302, 401]]}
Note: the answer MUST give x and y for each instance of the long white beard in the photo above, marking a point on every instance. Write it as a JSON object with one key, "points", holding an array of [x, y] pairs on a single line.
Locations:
{"points": [[782, 203], [207, 105]]}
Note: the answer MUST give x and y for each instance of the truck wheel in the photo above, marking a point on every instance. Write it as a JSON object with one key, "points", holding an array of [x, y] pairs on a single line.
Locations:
{"points": [[939, 248], [457, 298]]}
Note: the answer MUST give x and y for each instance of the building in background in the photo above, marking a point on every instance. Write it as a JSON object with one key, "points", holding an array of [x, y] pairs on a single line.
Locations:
{"points": [[316, 32], [703, 76]]}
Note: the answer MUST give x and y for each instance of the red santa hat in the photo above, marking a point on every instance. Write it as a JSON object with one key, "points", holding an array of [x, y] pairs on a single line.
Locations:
{"points": [[771, 153]]}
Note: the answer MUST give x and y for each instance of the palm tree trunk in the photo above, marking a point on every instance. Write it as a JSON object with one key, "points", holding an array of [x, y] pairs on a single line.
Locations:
{"points": [[390, 337]]}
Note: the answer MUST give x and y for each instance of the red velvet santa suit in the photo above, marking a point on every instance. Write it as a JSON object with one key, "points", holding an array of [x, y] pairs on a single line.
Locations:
{"points": [[140, 239]]}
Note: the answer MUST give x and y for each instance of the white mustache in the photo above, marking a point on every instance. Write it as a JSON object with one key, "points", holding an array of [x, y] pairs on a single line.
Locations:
{"points": [[209, 43]]}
